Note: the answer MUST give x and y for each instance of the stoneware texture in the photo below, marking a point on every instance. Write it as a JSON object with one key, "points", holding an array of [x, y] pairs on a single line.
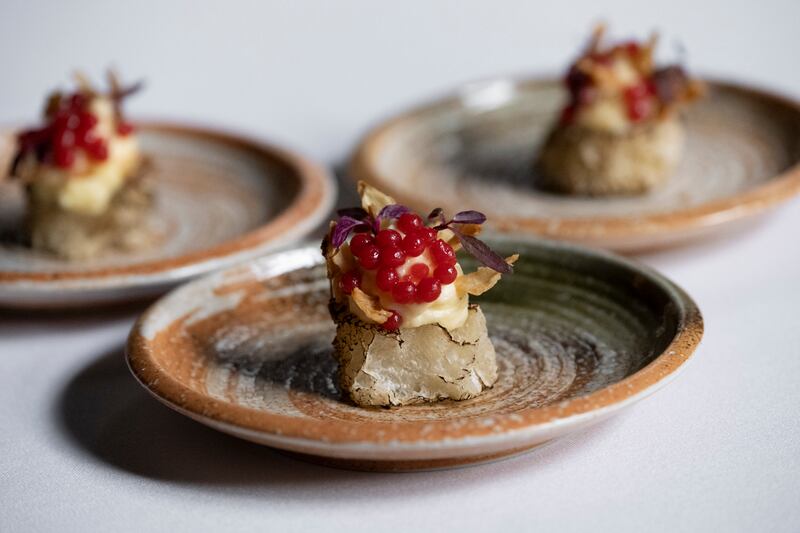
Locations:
{"points": [[579, 336], [221, 199], [476, 149]]}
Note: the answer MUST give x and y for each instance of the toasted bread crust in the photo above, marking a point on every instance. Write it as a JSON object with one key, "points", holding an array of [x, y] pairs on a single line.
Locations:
{"points": [[413, 365], [580, 161], [73, 236]]}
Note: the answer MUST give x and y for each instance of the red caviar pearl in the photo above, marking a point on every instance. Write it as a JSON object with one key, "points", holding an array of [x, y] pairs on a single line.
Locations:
{"points": [[639, 110], [393, 322], [63, 157], [87, 120], [369, 257], [73, 121], [97, 150], [77, 101], [386, 278], [388, 237], [428, 235], [632, 47], [404, 292], [419, 271], [636, 91], [60, 121], [568, 114], [443, 253], [446, 274], [392, 256], [359, 242], [413, 245], [124, 128], [638, 101], [349, 281], [428, 290], [409, 222], [65, 139], [84, 137]]}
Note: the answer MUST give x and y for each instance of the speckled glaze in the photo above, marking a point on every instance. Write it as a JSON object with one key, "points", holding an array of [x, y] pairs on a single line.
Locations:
{"points": [[220, 199], [477, 148], [579, 335]]}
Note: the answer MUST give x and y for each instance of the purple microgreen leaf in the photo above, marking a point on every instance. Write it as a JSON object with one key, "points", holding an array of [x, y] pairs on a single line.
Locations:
{"points": [[376, 225], [343, 227], [125, 92], [469, 217], [436, 213], [392, 211], [353, 212], [481, 251], [670, 83]]}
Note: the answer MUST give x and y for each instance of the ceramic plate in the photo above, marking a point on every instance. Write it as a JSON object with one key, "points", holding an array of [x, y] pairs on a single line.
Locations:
{"points": [[476, 148], [579, 336], [221, 199]]}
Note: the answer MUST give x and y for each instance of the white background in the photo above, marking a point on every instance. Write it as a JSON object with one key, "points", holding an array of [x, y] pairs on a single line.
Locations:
{"points": [[83, 448]]}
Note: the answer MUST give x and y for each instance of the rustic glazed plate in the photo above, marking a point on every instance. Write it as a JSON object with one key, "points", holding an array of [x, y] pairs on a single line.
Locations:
{"points": [[476, 149], [221, 199], [579, 336]]}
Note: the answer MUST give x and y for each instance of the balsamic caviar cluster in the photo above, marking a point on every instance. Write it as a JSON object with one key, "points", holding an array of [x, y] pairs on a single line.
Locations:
{"points": [[388, 249], [70, 128]]}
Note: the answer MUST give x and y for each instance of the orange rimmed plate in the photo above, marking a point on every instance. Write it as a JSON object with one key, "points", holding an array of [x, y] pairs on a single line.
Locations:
{"points": [[476, 149], [579, 335], [220, 199]]}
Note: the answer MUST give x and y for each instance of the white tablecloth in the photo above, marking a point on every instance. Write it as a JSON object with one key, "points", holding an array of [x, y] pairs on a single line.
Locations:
{"points": [[82, 447]]}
